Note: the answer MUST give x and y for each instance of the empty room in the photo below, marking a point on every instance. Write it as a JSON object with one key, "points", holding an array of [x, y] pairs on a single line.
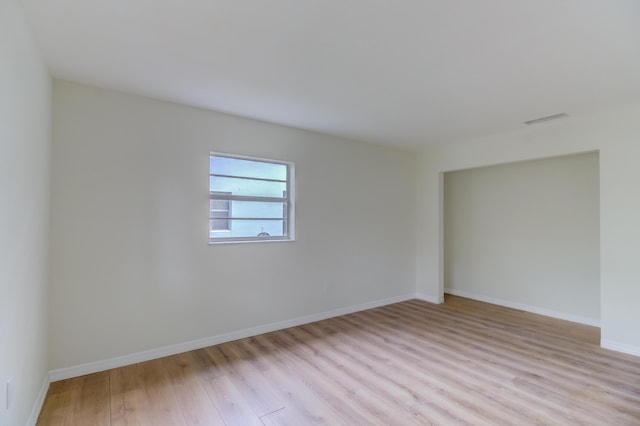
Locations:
{"points": [[340, 213]]}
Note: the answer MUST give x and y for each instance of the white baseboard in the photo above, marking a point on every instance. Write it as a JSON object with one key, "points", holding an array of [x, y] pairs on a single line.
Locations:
{"points": [[429, 298], [523, 307], [37, 406], [107, 364], [620, 347]]}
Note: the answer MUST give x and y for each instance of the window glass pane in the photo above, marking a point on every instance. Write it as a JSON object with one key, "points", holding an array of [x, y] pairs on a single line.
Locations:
{"points": [[247, 168], [219, 214], [258, 209], [249, 228], [236, 186], [219, 204], [219, 225]]}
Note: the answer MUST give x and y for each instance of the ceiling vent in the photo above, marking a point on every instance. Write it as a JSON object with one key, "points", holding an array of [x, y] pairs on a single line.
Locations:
{"points": [[547, 118]]}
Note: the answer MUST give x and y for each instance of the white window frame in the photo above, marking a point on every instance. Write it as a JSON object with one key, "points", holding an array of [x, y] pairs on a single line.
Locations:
{"points": [[288, 199]]}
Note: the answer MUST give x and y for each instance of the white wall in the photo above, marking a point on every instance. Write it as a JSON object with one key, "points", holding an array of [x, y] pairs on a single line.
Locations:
{"points": [[131, 267], [25, 135], [526, 233], [616, 135]]}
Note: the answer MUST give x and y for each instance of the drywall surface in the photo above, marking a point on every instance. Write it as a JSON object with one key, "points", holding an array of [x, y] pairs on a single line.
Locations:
{"points": [[615, 134], [25, 144], [131, 266], [526, 232]]}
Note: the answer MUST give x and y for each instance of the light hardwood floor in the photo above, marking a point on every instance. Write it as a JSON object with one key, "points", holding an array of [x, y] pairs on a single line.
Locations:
{"points": [[463, 362]]}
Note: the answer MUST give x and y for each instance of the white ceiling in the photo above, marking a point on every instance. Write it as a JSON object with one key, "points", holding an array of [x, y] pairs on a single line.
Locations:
{"points": [[397, 72]]}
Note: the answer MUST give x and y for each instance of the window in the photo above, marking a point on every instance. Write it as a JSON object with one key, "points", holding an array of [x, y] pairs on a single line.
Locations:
{"points": [[250, 199], [220, 212]]}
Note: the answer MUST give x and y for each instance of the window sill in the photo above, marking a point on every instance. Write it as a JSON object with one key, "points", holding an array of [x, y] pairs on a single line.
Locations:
{"points": [[274, 240]]}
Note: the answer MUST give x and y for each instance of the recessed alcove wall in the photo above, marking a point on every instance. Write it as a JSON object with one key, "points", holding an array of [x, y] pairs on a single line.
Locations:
{"points": [[526, 234]]}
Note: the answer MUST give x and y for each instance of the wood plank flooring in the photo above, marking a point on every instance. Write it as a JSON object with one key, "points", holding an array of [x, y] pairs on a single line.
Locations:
{"points": [[411, 363]]}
